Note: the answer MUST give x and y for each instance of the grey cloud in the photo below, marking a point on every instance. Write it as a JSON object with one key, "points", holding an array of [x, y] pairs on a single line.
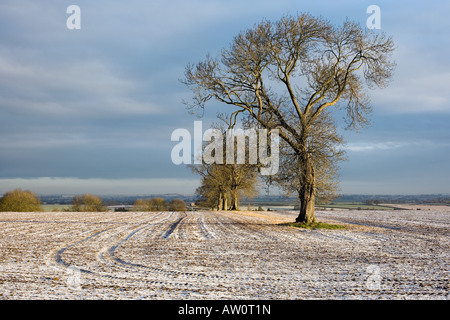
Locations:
{"points": [[101, 102]]}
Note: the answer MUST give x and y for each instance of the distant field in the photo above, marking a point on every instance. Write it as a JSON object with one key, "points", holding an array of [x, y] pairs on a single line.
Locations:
{"points": [[355, 206], [277, 206], [55, 207], [349, 205]]}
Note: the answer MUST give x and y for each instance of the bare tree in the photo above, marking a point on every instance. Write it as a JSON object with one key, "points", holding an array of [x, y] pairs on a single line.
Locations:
{"points": [[326, 152], [154, 204], [87, 203], [213, 185], [223, 185], [177, 205], [18, 200], [285, 74]]}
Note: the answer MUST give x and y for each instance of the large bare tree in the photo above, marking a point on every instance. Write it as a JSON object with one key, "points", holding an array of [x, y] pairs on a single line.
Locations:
{"points": [[325, 151], [285, 74]]}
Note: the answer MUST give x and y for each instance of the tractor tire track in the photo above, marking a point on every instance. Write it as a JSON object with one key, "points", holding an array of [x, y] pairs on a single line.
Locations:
{"points": [[55, 257], [174, 276]]}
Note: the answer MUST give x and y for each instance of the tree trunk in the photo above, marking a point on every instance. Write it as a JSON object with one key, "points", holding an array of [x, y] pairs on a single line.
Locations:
{"points": [[307, 212], [225, 203], [234, 199], [220, 202], [306, 194]]}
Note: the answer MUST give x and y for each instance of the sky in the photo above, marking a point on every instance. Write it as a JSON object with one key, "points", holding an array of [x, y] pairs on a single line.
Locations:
{"points": [[93, 109]]}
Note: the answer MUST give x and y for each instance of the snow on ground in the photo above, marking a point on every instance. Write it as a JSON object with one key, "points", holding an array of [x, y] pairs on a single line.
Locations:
{"points": [[226, 255]]}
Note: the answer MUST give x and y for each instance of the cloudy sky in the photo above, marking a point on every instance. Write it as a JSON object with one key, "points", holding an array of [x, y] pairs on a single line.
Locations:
{"points": [[92, 110]]}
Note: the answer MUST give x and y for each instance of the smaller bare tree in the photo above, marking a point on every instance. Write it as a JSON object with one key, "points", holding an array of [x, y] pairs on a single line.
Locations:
{"points": [[223, 185]]}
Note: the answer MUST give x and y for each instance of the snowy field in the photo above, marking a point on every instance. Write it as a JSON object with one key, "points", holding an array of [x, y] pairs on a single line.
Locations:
{"points": [[210, 255]]}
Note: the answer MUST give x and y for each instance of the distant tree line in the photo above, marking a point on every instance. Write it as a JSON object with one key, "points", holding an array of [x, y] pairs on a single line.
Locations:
{"points": [[159, 204], [87, 203], [19, 200]]}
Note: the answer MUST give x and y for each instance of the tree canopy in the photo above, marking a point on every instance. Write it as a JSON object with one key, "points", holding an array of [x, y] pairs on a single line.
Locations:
{"points": [[87, 203], [20, 201], [286, 74]]}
